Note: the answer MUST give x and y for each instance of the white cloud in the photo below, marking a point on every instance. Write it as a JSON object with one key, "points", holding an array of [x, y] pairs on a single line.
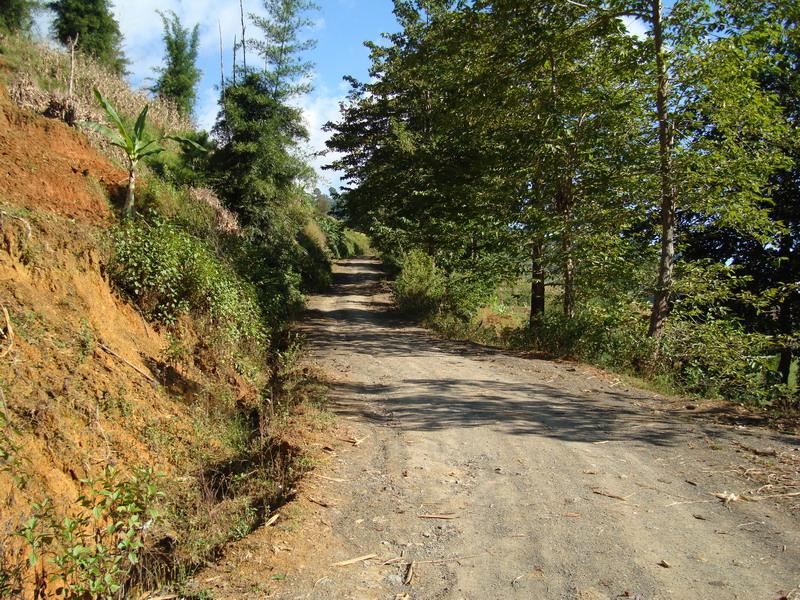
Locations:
{"points": [[318, 108], [141, 26]]}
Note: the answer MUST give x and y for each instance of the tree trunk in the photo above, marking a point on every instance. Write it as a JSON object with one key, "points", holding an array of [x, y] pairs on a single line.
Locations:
{"points": [[537, 283], [128, 210], [221, 62], [785, 364], [660, 308], [569, 282], [244, 37], [564, 203]]}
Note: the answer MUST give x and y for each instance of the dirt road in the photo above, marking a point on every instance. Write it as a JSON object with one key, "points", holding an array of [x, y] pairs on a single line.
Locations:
{"points": [[551, 480]]}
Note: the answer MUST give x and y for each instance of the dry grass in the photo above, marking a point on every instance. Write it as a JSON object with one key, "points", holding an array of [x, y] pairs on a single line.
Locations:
{"points": [[41, 81], [776, 473], [224, 220]]}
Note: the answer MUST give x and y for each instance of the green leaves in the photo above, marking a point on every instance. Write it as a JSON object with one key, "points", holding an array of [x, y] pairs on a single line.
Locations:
{"points": [[94, 548], [92, 23], [169, 272], [178, 78], [135, 142]]}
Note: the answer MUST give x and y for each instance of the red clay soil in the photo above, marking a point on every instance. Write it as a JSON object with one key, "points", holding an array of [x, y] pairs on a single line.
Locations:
{"points": [[46, 164]]}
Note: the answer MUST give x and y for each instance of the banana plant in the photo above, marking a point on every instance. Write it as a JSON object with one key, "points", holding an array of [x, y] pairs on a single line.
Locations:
{"points": [[133, 142]]}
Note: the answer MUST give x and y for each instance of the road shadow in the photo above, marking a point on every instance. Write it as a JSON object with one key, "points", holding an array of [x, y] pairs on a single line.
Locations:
{"points": [[518, 409], [517, 406]]}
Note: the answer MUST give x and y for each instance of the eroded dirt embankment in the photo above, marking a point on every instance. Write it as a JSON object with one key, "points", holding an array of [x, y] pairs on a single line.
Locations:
{"points": [[86, 382], [472, 474]]}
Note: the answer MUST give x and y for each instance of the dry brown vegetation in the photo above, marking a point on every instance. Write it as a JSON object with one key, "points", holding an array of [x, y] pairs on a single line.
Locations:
{"points": [[41, 82]]}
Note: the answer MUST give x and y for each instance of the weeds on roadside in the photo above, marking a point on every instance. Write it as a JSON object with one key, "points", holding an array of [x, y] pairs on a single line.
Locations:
{"points": [[92, 552]]}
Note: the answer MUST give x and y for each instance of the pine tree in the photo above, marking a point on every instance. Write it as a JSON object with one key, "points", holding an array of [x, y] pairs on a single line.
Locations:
{"points": [[93, 24], [17, 15], [179, 76], [282, 49]]}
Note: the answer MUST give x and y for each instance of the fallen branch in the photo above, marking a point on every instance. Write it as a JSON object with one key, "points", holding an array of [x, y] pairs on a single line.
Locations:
{"points": [[601, 492], [130, 364], [354, 440], [443, 517], [353, 561], [322, 503], [409, 574], [759, 498], [756, 451], [689, 502], [437, 561], [273, 519], [727, 497], [445, 560], [332, 479]]}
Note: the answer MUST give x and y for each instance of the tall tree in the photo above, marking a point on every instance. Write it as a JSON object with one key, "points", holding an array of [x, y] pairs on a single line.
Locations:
{"points": [[178, 78], [93, 24], [282, 46], [716, 132], [769, 32], [17, 15], [255, 166]]}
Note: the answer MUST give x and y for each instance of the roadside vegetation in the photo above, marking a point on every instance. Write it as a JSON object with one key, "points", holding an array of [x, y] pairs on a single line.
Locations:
{"points": [[188, 390], [542, 179]]}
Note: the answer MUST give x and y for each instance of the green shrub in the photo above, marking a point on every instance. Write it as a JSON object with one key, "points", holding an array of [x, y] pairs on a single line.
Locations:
{"points": [[711, 358], [466, 292], [420, 286], [341, 241], [315, 264], [91, 552], [169, 272], [176, 204], [356, 244], [716, 358], [334, 235], [612, 336]]}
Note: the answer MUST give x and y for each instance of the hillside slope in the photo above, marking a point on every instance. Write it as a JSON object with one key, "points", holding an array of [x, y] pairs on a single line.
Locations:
{"points": [[50, 166], [93, 396]]}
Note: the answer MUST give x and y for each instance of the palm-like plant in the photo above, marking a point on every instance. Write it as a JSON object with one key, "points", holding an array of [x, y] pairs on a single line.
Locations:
{"points": [[133, 142]]}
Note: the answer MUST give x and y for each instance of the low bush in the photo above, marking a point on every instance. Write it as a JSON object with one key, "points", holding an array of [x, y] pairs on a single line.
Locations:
{"points": [[341, 241], [92, 551], [333, 230], [176, 204], [167, 271], [711, 358], [466, 292], [716, 358], [356, 244], [315, 263], [420, 286]]}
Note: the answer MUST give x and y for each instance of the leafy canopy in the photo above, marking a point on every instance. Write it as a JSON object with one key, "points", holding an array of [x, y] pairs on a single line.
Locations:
{"points": [[92, 23]]}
